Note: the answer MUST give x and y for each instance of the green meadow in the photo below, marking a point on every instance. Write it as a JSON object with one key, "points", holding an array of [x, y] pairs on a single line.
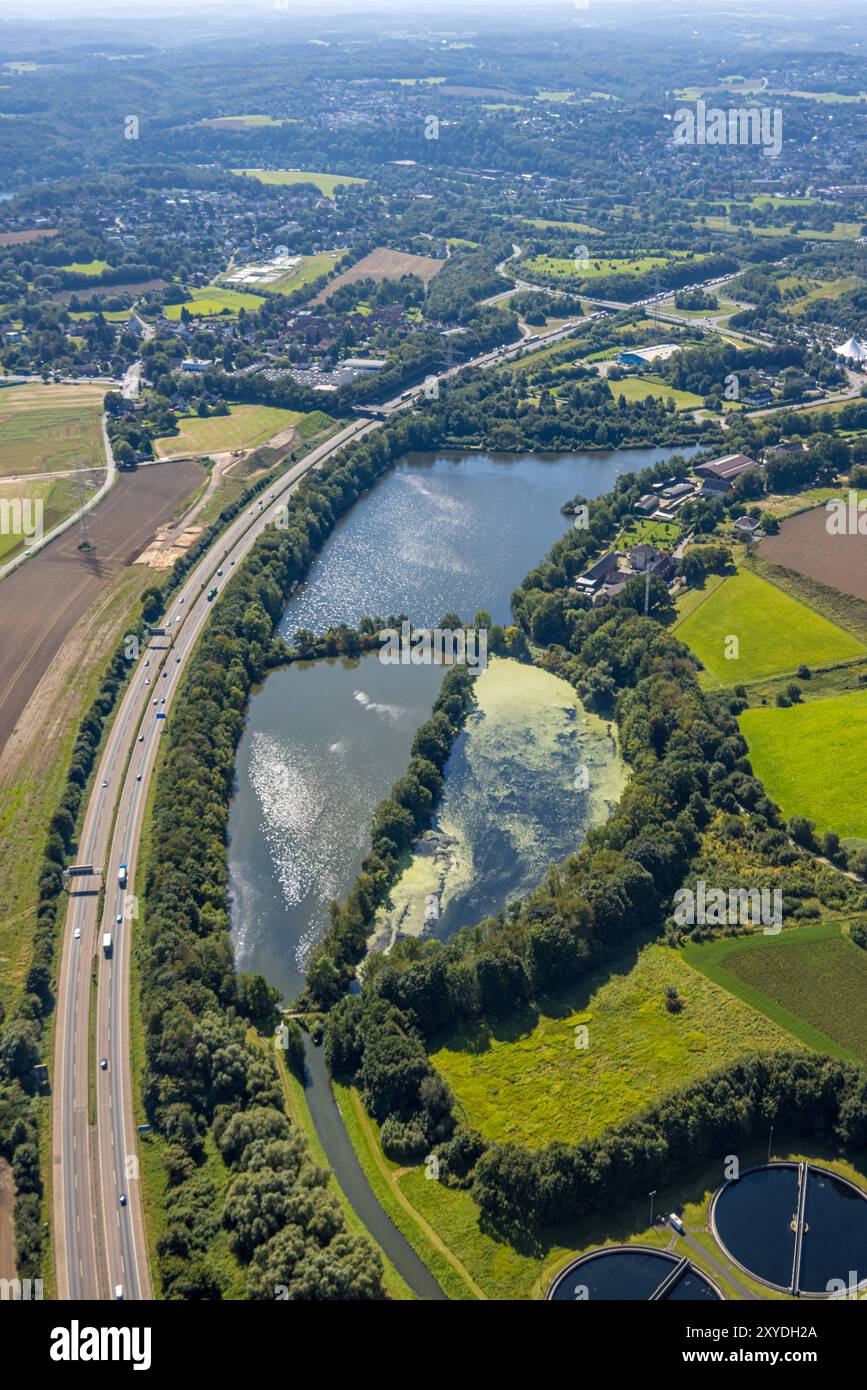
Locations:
{"points": [[86, 267], [775, 633], [563, 267], [213, 300], [244, 427], [811, 759], [528, 1081], [326, 183], [642, 388]]}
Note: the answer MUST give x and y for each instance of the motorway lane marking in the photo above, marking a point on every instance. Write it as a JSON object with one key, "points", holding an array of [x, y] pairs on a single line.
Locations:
{"points": [[243, 541]]}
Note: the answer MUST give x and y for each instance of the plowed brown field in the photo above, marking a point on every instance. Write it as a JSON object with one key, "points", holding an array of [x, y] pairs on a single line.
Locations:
{"points": [[804, 545], [43, 598]]}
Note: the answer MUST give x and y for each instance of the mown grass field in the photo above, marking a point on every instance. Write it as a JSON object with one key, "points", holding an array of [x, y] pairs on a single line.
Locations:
{"points": [[528, 1082], [824, 289], [59, 498], [842, 609], [244, 427], [775, 633], [46, 429], [812, 980], [86, 267], [841, 231], [110, 315], [247, 122], [648, 532], [640, 388], [564, 267], [212, 300], [326, 183], [582, 227], [811, 759]]}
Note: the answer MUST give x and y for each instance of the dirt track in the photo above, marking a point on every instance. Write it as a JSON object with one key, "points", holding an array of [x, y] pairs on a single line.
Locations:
{"points": [[804, 545], [7, 1222], [41, 600]]}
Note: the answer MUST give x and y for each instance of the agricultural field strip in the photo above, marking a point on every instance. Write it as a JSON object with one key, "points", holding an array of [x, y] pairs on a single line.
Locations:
{"points": [[778, 631], [818, 998]]}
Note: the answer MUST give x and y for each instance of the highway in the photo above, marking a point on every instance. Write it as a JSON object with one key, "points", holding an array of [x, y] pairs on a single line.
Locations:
{"points": [[100, 1240], [100, 1243], [105, 486]]}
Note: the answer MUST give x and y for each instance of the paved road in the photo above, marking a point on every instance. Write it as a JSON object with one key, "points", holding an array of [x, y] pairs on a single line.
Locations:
{"points": [[107, 483], [99, 1243]]}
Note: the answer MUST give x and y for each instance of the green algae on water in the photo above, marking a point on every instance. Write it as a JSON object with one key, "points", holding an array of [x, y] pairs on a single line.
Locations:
{"points": [[530, 774]]}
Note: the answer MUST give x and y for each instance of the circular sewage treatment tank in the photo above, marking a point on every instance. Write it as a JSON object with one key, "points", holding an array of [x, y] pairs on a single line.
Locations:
{"points": [[758, 1218], [630, 1273]]}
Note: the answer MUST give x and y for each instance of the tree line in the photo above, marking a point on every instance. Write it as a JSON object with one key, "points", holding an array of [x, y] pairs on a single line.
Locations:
{"points": [[203, 1078]]}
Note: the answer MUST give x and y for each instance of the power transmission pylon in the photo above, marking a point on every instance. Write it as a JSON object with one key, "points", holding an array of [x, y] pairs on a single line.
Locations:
{"points": [[84, 525]]}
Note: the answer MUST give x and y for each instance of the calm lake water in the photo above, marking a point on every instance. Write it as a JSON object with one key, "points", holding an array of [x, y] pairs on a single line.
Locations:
{"points": [[455, 532], [324, 743]]}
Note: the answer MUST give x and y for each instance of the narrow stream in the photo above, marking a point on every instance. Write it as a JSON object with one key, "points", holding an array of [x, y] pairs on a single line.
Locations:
{"points": [[349, 1173], [324, 743]]}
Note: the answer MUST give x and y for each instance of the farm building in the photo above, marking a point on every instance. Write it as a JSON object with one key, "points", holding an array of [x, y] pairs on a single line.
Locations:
{"points": [[678, 492], [598, 574], [719, 474]]}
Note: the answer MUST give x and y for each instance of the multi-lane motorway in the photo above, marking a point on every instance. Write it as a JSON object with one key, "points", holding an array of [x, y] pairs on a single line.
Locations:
{"points": [[100, 1242]]}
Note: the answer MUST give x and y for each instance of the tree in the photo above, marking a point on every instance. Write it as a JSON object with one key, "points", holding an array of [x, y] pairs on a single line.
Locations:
{"points": [[259, 1001]]}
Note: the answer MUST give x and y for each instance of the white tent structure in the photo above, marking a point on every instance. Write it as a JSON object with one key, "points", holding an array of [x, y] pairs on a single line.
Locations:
{"points": [[855, 351]]}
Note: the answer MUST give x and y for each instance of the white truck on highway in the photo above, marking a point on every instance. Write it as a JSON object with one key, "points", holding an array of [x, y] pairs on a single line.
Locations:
{"points": [[121, 876], [106, 944]]}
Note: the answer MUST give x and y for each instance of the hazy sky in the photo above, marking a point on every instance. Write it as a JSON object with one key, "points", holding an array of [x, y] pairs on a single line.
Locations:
{"points": [[118, 9], [417, 16]]}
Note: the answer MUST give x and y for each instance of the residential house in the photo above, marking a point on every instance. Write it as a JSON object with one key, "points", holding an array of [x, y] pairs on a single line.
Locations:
{"points": [[643, 556], [746, 528]]}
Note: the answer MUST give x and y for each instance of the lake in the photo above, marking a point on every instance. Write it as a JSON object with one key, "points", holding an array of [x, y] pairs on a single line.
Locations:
{"points": [[324, 742]]}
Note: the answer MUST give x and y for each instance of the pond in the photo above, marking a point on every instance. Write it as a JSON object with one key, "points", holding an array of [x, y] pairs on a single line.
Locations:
{"points": [[531, 772], [324, 742]]}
